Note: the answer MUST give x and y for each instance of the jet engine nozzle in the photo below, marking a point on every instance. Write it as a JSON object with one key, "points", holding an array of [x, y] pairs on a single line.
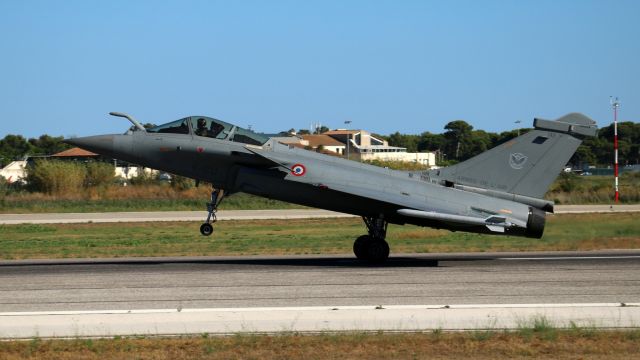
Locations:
{"points": [[535, 223]]}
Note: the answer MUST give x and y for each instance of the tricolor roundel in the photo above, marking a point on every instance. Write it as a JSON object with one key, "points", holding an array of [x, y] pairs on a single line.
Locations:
{"points": [[298, 170]]}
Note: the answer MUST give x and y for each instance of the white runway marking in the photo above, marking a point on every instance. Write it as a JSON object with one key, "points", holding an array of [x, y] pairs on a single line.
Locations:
{"points": [[222, 321]]}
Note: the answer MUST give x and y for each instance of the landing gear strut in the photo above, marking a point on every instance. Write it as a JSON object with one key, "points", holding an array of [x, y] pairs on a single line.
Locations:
{"points": [[373, 248], [217, 195]]}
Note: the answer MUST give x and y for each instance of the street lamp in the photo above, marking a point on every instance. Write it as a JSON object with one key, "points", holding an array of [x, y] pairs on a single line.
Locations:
{"points": [[347, 122], [518, 122]]}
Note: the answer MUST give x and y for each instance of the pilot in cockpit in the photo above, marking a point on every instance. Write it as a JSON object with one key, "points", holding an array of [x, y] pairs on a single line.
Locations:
{"points": [[201, 130], [215, 129]]}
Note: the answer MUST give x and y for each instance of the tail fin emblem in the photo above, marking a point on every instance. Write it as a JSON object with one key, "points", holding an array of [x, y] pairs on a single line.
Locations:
{"points": [[517, 160]]}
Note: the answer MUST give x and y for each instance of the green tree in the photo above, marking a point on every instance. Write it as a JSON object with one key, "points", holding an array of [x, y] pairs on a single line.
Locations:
{"points": [[13, 147], [403, 140], [48, 145], [480, 142], [458, 136], [431, 142], [99, 174], [582, 157], [321, 129]]}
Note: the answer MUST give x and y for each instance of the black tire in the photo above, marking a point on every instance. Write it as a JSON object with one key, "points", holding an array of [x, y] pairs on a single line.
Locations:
{"points": [[360, 247], [206, 229], [377, 251]]}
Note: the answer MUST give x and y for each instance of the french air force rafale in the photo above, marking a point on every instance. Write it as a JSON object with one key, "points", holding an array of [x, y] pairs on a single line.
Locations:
{"points": [[497, 192]]}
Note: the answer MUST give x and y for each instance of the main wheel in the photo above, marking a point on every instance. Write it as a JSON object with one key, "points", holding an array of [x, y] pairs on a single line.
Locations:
{"points": [[360, 247], [206, 229], [377, 251]]}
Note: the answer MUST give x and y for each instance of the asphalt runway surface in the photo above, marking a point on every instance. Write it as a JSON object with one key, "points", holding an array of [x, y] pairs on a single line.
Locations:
{"points": [[260, 281]]}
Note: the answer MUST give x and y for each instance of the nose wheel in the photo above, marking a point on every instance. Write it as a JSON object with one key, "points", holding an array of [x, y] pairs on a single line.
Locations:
{"points": [[206, 229], [217, 195]]}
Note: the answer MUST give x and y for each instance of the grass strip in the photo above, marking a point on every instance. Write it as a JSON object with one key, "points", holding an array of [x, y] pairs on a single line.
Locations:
{"points": [[314, 236], [575, 343]]}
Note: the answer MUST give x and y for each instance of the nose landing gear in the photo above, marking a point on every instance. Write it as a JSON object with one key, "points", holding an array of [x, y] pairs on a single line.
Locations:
{"points": [[373, 248], [217, 195]]}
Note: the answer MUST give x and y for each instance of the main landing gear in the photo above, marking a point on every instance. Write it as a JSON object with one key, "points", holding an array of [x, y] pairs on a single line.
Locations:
{"points": [[217, 195], [373, 248]]}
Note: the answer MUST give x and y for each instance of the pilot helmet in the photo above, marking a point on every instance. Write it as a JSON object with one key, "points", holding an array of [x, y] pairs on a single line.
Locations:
{"points": [[202, 123]]}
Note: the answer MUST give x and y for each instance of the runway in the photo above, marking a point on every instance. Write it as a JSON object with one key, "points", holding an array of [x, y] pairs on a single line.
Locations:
{"points": [[261, 281], [60, 218], [219, 295], [205, 286]]}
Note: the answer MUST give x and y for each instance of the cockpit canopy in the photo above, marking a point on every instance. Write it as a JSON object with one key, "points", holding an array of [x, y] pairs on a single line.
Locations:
{"points": [[211, 128]]}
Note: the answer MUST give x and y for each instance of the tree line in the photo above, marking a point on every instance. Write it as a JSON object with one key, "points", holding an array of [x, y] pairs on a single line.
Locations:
{"points": [[16, 147], [459, 141]]}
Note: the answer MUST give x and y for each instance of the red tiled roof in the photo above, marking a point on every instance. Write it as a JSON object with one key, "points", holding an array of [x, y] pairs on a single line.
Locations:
{"points": [[324, 151], [75, 152], [324, 140]]}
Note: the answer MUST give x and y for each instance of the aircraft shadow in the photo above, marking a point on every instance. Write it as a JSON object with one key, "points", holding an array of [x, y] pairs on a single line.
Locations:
{"points": [[336, 262]]}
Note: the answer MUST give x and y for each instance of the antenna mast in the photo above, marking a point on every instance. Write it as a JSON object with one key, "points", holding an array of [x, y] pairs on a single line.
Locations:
{"points": [[615, 104]]}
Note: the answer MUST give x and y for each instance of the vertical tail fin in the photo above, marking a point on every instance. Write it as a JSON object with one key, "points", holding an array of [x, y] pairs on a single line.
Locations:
{"points": [[526, 165]]}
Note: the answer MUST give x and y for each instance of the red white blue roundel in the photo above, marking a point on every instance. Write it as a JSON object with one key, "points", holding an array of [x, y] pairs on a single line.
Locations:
{"points": [[298, 170]]}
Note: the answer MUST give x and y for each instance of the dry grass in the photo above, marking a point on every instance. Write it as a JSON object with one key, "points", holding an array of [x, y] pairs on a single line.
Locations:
{"points": [[568, 344], [162, 196], [573, 189], [115, 192], [129, 198]]}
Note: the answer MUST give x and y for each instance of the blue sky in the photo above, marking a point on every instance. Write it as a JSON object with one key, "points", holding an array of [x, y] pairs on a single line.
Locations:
{"points": [[408, 66]]}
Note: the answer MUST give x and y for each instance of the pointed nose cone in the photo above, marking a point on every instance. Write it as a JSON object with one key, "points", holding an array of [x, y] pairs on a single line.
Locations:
{"points": [[101, 144]]}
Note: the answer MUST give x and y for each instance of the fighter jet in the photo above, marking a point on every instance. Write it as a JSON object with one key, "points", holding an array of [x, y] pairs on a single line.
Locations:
{"points": [[498, 192]]}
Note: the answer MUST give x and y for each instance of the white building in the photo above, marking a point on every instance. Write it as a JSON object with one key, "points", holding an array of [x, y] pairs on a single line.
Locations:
{"points": [[366, 147], [15, 171], [391, 153]]}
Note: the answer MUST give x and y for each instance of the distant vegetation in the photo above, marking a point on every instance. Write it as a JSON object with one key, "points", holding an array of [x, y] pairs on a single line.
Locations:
{"points": [[570, 188], [57, 186], [78, 186], [66, 186], [65, 177], [459, 141], [398, 165], [16, 147]]}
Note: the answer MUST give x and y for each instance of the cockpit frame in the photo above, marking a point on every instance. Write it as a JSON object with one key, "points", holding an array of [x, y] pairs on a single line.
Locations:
{"points": [[208, 127]]}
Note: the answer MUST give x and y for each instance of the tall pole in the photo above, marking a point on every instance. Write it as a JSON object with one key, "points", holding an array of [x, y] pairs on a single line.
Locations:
{"points": [[347, 122], [615, 103]]}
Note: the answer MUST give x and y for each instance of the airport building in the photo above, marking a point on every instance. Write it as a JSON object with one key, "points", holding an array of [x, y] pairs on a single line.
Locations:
{"points": [[14, 171], [361, 145]]}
